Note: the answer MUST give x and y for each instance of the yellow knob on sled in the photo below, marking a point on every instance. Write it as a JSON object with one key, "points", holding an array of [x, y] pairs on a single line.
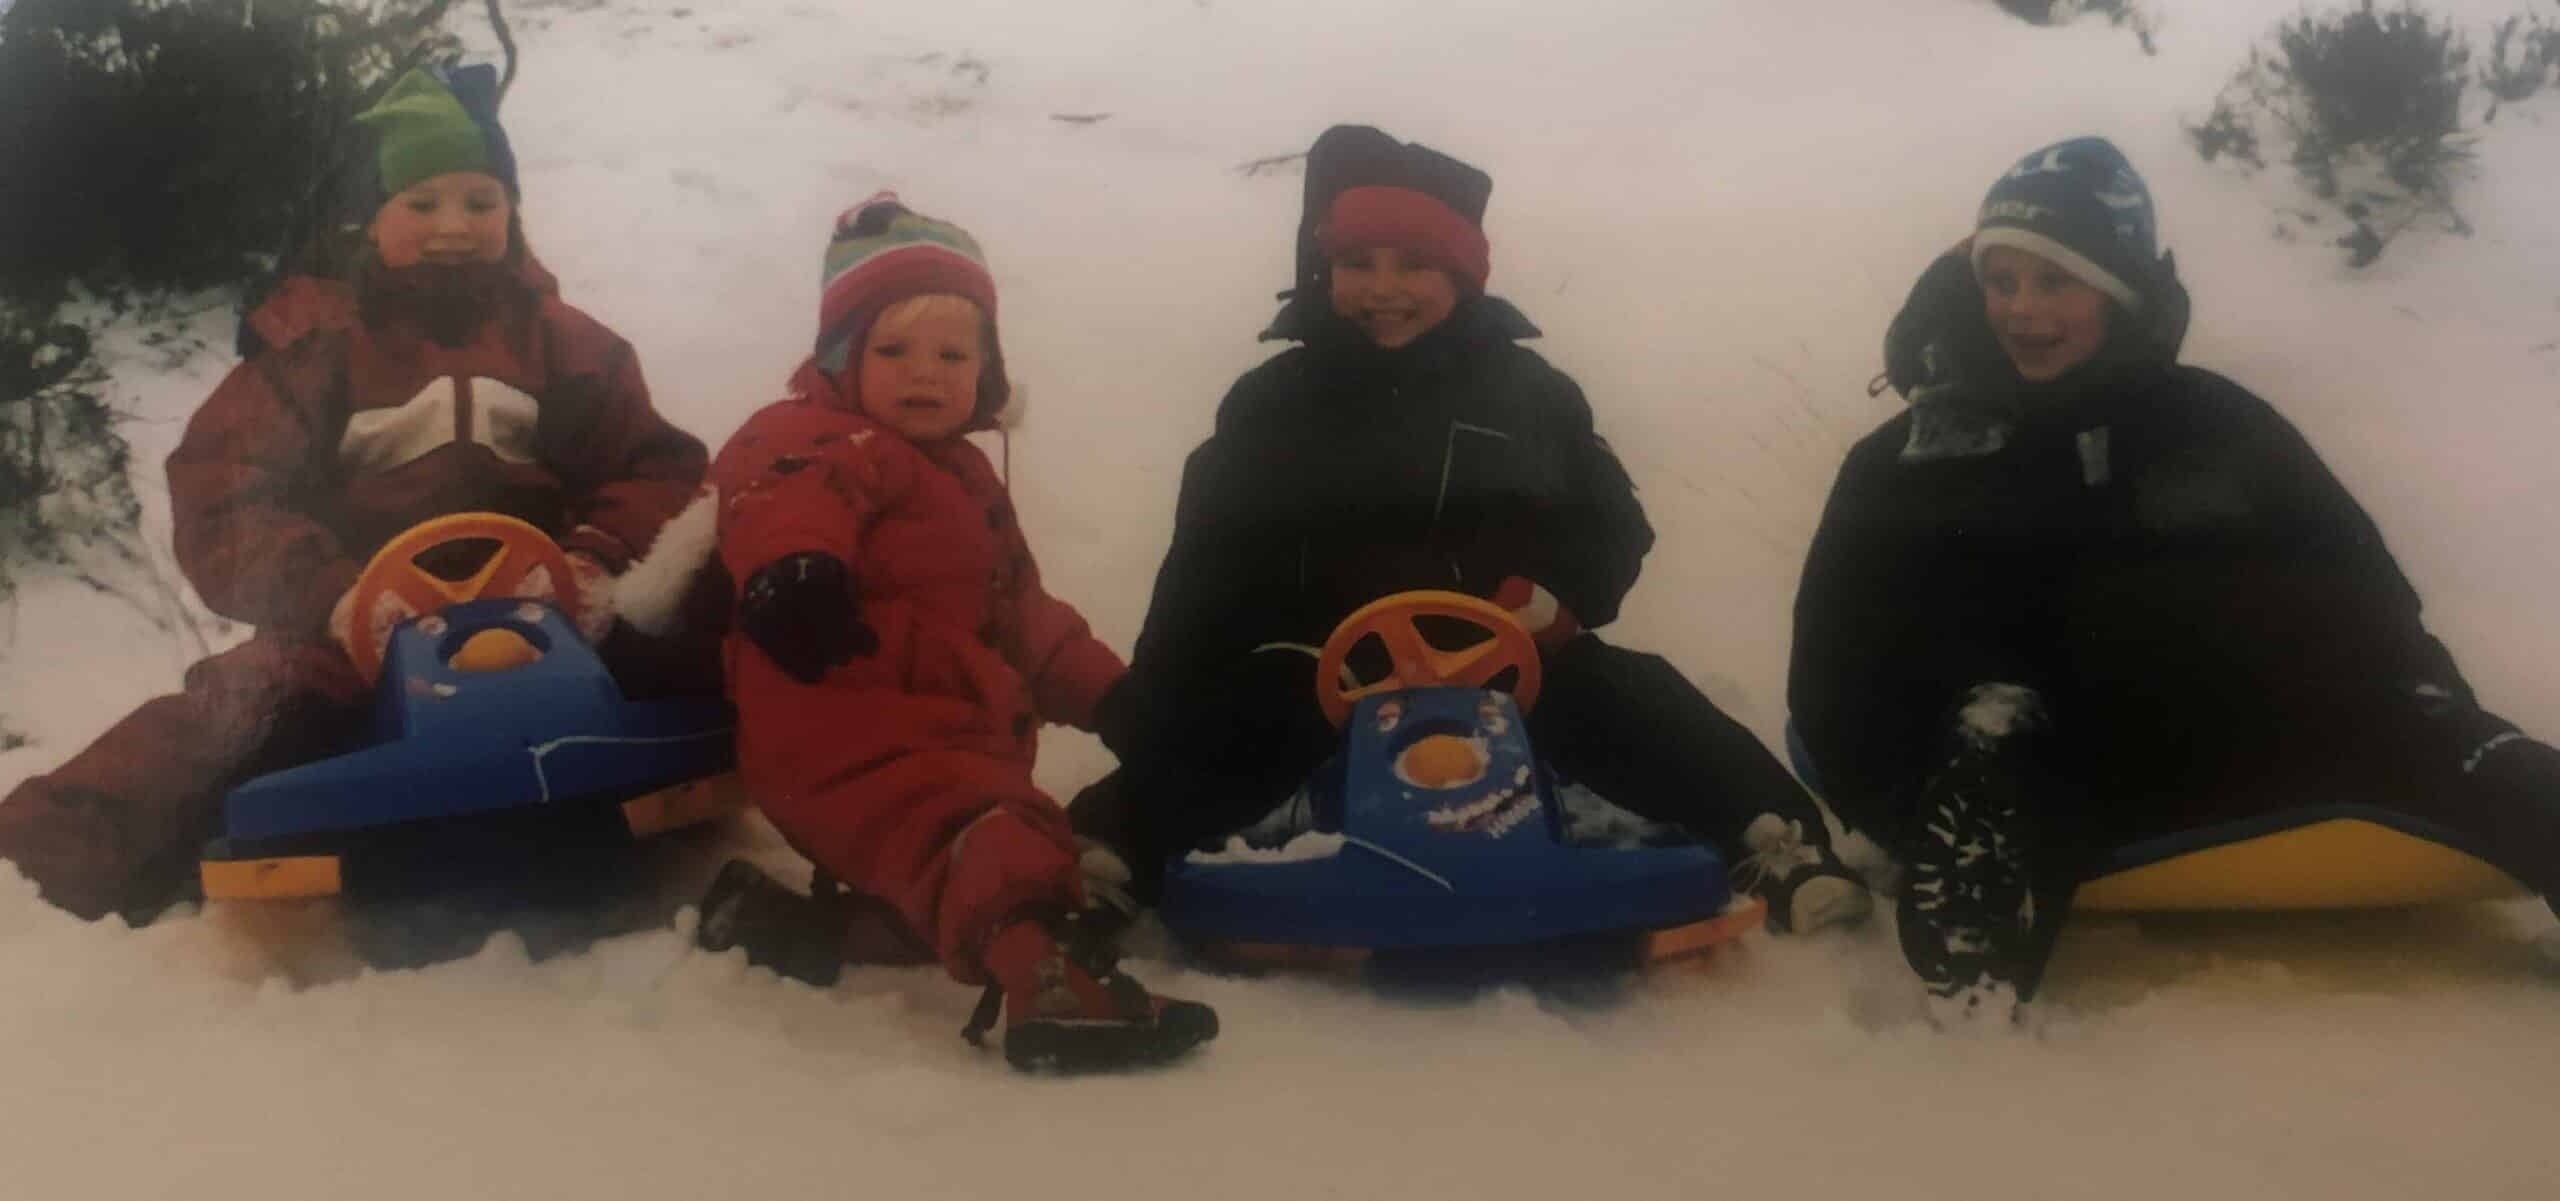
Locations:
{"points": [[498, 649], [1441, 761]]}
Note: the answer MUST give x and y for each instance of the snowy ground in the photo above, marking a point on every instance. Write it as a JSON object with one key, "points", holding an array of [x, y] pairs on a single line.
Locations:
{"points": [[1712, 208]]}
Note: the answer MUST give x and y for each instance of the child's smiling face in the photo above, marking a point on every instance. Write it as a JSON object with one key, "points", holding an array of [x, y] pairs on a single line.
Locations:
{"points": [[920, 365], [451, 219], [2046, 319], [1391, 294]]}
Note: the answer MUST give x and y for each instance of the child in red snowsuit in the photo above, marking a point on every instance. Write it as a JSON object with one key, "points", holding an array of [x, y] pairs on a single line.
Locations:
{"points": [[446, 377], [894, 653]]}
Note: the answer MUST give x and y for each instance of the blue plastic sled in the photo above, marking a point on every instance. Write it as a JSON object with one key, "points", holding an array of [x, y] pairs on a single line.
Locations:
{"points": [[1438, 827], [478, 765]]}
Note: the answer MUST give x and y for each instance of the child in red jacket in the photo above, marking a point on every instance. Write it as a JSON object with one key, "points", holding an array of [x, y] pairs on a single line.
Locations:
{"points": [[446, 376], [894, 653]]}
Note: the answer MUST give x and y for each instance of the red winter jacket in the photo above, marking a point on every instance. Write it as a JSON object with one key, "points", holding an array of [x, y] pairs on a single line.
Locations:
{"points": [[310, 456], [877, 769]]}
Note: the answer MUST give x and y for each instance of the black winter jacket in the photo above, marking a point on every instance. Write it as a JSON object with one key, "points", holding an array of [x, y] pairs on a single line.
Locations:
{"points": [[1339, 472], [2149, 545]]}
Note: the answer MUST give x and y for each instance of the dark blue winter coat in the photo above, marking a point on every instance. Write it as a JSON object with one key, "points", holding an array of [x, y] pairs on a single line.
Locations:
{"points": [[2149, 545], [1340, 472]]}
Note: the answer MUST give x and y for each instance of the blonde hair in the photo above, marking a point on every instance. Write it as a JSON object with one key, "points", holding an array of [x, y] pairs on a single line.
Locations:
{"points": [[896, 318]]}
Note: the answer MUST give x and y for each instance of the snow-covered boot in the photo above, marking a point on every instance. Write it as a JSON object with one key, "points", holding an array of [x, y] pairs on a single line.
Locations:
{"points": [[1967, 911], [1068, 1007], [1969, 923], [1805, 884]]}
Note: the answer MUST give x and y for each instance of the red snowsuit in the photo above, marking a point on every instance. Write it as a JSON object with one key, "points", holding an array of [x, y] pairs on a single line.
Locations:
{"points": [[304, 461], [907, 772]]}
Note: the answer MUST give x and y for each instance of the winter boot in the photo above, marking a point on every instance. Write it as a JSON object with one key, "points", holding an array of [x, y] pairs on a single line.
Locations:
{"points": [[802, 937], [1966, 909], [161, 885], [1969, 923], [1805, 884], [2507, 798], [1068, 1008]]}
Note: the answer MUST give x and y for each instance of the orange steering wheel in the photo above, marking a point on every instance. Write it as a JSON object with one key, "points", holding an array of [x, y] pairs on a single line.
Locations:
{"points": [[394, 571], [1414, 662]]}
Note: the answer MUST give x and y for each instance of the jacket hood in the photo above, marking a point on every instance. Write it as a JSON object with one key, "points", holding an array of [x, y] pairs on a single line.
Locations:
{"points": [[1941, 336], [1966, 399]]}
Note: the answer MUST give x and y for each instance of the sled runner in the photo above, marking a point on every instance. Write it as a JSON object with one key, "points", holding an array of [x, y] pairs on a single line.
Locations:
{"points": [[499, 738], [1437, 827]]}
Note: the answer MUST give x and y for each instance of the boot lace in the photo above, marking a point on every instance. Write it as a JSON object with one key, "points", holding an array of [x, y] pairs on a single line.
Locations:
{"points": [[1778, 848]]}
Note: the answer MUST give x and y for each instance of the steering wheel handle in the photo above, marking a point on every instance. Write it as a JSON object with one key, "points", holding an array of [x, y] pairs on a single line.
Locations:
{"points": [[1414, 662], [522, 551]]}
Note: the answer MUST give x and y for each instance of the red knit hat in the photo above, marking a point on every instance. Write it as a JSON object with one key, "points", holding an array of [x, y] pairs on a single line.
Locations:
{"points": [[884, 252], [1406, 219]]}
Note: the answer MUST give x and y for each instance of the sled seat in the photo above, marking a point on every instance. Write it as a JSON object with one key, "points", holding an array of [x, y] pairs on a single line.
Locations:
{"points": [[2316, 857], [2330, 857]]}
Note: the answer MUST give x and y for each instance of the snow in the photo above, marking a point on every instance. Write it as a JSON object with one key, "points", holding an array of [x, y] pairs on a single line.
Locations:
{"points": [[1713, 210], [1992, 711], [1300, 848], [1591, 820]]}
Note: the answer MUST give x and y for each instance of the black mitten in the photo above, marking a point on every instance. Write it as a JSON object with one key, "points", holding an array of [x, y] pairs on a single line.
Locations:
{"points": [[801, 612]]}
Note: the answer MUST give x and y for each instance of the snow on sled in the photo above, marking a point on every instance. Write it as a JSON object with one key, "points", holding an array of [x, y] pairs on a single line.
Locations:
{"points": [[1437, 829], [500, 740], [2338, 856]]}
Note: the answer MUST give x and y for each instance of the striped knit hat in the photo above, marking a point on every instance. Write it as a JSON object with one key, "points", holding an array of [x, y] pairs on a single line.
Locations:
{"points": [[2081, 206], [884, 252]]}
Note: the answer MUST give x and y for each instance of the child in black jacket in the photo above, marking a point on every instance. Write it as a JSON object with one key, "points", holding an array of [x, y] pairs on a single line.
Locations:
{"points": [[1410, 442], [2079, 595]]}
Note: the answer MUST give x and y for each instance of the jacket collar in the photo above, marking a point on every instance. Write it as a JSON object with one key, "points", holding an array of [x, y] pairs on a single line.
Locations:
{"points": [[1308, 318]]}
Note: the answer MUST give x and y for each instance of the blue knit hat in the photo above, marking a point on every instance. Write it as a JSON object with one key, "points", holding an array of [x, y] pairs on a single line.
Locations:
{"points": [[2082, 206]]}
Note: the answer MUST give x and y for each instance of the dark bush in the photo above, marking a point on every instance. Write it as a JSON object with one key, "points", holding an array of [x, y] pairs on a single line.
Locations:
{"points": [[155, 145], [2127, 13], [2366, 106], [148, 146], [2524, 54], [62, 464]]}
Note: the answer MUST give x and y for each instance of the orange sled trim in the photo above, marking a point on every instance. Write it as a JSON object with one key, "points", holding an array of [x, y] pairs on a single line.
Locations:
{"points": [[690, 803], [271, 879], [1745, 915]]}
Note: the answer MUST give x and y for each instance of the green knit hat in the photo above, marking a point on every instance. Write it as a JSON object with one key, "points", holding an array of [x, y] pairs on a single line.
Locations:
{"points": [[434, 122]]}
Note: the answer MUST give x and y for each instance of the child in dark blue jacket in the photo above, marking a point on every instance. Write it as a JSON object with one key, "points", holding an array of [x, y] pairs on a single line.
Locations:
{"points": [[1408, 441]]}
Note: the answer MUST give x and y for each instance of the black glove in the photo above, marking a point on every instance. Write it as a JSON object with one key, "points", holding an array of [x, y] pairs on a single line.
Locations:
{"points": [[800, 611], [1114, 721]]}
